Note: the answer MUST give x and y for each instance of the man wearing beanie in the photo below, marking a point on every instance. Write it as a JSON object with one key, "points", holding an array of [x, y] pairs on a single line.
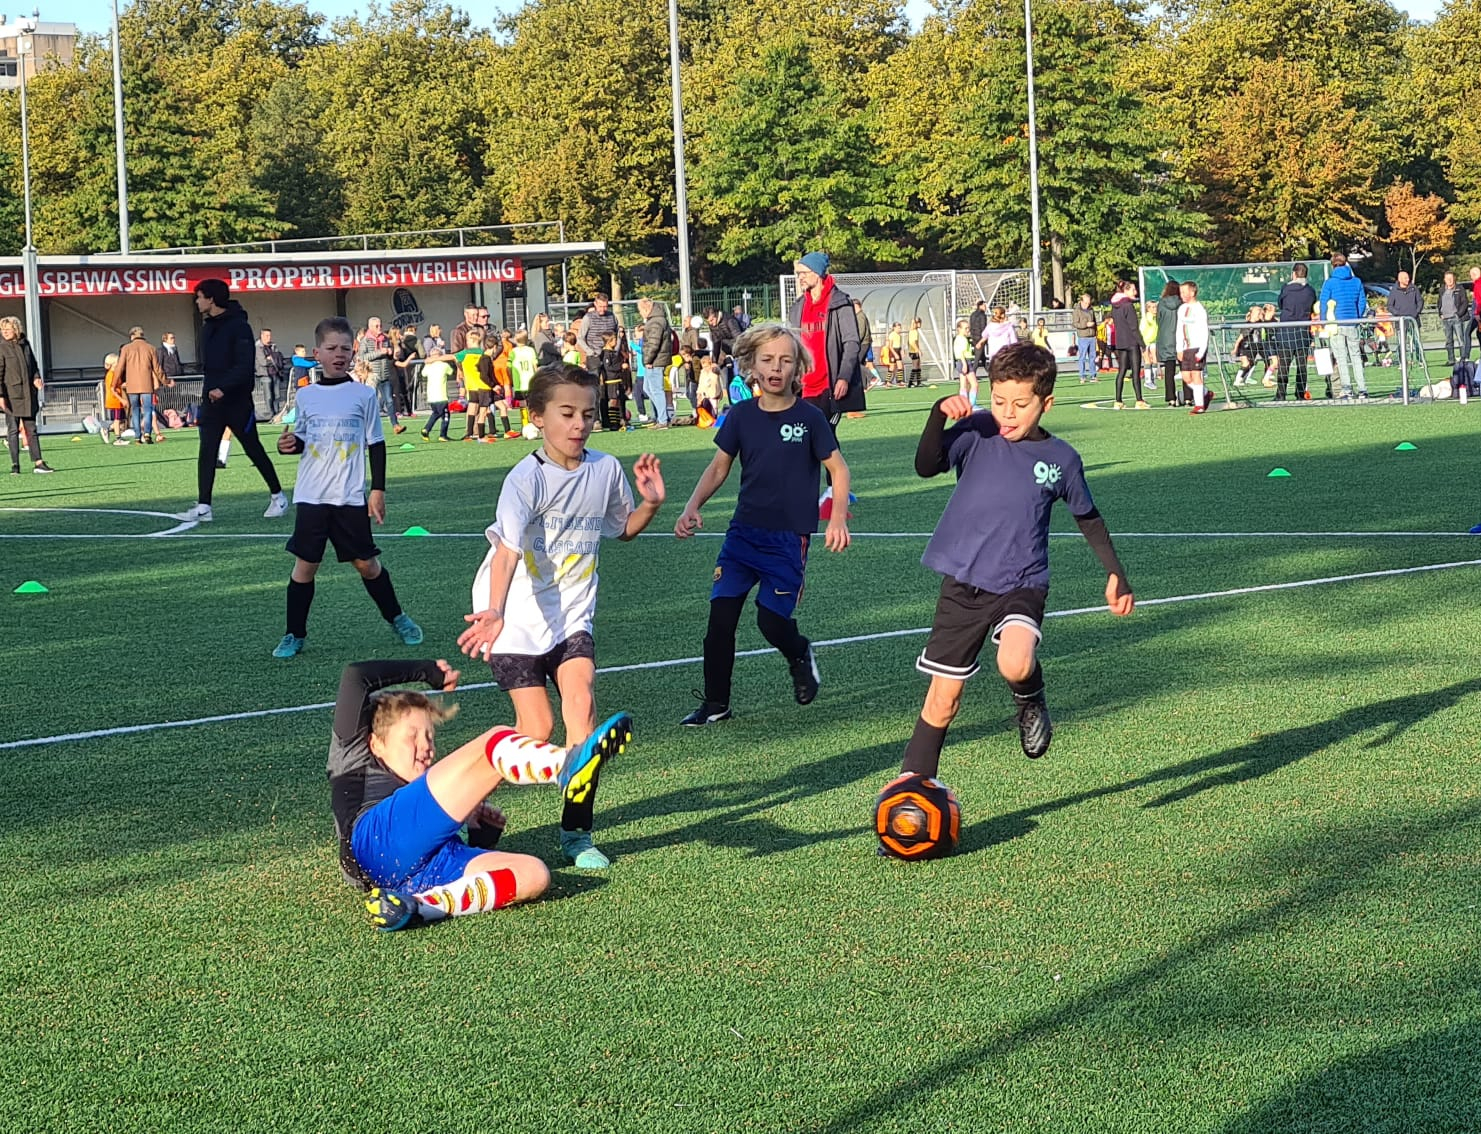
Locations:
{"points": [[829, 331]]}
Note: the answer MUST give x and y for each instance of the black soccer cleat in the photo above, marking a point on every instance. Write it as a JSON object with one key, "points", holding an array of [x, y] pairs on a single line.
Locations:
{"points": [[390, 910], [708, 713], [805, 677], [1035, 729]]}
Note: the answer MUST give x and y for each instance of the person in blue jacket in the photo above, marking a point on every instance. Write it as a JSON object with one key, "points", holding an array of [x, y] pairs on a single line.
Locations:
{"points": [[1343, 298]]}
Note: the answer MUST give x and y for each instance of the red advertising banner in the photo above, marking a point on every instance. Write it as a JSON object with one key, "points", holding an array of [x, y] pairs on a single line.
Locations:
{"points": [[138, 279]]}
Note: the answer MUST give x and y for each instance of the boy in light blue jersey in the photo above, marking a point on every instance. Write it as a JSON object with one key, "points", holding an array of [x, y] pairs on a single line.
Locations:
{"points": [[991, 546]]}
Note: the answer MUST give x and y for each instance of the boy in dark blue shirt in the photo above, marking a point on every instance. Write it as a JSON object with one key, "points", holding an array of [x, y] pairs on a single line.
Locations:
{"points": [[783, 444], [992, 546]]}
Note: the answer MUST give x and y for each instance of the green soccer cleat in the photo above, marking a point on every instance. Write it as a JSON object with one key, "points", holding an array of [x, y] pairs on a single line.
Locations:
{"points": [[290, 647], [407, 630], [578, 847], [582, 764]]}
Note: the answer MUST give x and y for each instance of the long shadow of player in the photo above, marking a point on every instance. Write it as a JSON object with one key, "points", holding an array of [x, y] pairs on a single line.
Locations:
{"points": [[1260, 757]]}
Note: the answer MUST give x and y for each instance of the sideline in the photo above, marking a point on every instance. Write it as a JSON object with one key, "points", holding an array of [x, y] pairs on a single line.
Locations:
{"points": [[124, 730]]}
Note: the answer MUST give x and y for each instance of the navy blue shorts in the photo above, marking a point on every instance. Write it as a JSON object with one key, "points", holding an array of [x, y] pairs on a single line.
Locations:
{"points": [[408, 842], [775, 560]]}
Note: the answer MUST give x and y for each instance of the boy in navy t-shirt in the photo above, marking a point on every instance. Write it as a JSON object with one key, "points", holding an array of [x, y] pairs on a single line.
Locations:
{"points": [[783, 444], [992, 546]]}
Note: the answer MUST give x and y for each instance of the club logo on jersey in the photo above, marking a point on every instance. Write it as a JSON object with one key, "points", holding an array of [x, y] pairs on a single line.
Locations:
{"points": [[1047, 475], [717, 575], [794, 433]]}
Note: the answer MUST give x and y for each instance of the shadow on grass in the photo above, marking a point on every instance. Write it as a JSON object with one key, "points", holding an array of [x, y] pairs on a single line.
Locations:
{"points": [[1261, 757], [1342, 865]]}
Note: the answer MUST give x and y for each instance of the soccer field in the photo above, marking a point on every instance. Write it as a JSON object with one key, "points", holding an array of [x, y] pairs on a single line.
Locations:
{"points": [[1240, 893]]}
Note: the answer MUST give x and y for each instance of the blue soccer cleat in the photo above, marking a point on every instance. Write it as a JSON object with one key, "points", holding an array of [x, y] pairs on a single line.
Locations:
{"points": [[582, 764], [390, 910], [407, 630], [291, 646]]}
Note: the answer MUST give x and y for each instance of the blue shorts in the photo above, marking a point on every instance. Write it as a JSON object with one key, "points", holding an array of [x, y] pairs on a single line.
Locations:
{"points": [[408, 842], [776, 560]]}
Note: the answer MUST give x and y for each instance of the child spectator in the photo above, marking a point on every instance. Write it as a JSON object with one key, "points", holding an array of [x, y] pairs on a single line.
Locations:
{"points": [[783, 444], [708, 389], [303, 367], [571, 355], [496, 380], [479, 392], [1191, 339], [115, 401], [612, 370], [399, 811], [895, 355], [961, 352], [523, 362], [337, 429], [991, 546], [535, 594], [912, 355], [438, 370]]}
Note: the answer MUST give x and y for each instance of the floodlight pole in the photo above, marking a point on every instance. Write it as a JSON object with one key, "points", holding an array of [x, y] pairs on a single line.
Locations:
{"points": [[1033, 164], [123, 177], [681, 194], [25, 45]]}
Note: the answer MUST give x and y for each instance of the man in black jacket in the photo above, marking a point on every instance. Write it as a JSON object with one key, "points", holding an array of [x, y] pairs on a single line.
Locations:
{"points": [[1406, 302], [1455, 318], [228, 360], [1296, 301]]}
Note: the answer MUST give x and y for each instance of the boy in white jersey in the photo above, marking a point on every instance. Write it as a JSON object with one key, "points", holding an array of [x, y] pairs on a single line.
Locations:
{"points": [[337, 429], [535, 592], [1191, 340]]}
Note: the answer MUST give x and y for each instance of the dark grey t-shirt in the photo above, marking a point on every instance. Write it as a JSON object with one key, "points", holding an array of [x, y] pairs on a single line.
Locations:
{"points": [[781, 455], [994, 534]]}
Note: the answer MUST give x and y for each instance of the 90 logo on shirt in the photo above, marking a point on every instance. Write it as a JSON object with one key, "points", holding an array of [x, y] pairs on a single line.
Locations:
{"points": [[796, 433]]}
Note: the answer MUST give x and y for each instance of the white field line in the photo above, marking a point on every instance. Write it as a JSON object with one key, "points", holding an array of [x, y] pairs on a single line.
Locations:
{"points": [[123, 730]]}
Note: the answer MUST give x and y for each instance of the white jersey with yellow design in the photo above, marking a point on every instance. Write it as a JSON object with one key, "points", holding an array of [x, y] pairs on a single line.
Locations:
{"points": [[337, 423], [555, 518]]}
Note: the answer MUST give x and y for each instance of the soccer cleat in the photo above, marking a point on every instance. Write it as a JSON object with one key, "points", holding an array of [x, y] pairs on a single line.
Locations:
{"points": [[805, 677], [200, 514], [291, 646], [409, 632], [426, 437], [582, 763], [1197, 409], [1118, 405], [277, 506], [709, 712], [578, 847], [391, 910], [1034, 726], [398, 429], [1141, 404], [42, 468]]}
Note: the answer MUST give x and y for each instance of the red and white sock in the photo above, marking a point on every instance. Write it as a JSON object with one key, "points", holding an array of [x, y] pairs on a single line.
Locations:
{"points": [[472, 894], [523, 759]]}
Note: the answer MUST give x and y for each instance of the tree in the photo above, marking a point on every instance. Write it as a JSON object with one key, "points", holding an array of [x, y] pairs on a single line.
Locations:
{"points": [[1417, 224], [786, 168]]}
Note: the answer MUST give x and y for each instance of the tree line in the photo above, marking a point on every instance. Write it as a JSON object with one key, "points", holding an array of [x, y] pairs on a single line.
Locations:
{"points": [[1189, 131]]}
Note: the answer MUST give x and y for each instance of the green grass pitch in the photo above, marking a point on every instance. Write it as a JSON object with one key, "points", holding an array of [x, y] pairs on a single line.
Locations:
{"points": [[1240, 894]]}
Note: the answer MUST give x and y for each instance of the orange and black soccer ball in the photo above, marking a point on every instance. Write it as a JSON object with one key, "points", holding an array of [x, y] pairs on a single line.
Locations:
{"points": [[917, 817]]}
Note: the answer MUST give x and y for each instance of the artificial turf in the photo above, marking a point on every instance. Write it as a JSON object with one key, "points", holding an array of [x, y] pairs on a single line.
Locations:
{"points": [[1240, 893]]}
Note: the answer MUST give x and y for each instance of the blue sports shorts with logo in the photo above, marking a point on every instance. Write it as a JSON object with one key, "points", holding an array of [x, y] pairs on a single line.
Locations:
{"points": [[407, 841], [774, 560]]}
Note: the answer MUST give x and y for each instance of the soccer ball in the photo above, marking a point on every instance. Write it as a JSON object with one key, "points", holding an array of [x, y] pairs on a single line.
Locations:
{"points": [[916, 818], [531, 432]]}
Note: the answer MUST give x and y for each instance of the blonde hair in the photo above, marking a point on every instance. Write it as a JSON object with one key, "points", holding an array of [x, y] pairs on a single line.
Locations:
{"points": [[12, 322], [391, 707], [110, 360], [757, 337]]}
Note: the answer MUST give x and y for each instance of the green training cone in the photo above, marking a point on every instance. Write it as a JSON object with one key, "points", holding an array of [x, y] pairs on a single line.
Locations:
{"points": [[1405, 447], [31, 587], [407, 445], [416, 530], [1278, 472]]}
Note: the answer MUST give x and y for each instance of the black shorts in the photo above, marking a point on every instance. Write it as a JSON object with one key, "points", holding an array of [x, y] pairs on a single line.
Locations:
{"points": [[483, 398], [346, 526], [532, 671], [966, 617], [1190, 361]]}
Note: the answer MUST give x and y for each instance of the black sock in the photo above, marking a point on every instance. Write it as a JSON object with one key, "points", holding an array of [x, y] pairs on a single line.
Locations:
{"points": [[384, 594], [781, 633], [504, 421], [719, 648], [923, 753], [578, 816], [483, 428], [1031, 687], [300, 598]]}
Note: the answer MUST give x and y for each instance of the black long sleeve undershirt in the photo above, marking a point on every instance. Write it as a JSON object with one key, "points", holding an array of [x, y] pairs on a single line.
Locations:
{"points": [[377, 454], [1093, 528], [353, 707], [930, 455]]}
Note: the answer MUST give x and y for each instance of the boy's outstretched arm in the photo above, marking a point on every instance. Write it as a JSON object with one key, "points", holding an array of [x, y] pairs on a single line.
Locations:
{"points": [[485, 627], [931, 455], [353, 706], [1118, 589], [648, 478], [709, 483]]}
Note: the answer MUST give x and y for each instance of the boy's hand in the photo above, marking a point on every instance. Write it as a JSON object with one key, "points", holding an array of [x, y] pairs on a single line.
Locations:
{"points": [[956, 407], [288, 443], [449, 676], [836, 537], [649, 479], [1118, 596], [377, 505], [483, 631], [688, 523]]}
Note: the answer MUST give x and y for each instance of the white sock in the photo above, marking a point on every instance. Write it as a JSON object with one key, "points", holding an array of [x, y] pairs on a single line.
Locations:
{"points": [[1197, 388], [223, 450], [471, 894], [523, 759]]}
